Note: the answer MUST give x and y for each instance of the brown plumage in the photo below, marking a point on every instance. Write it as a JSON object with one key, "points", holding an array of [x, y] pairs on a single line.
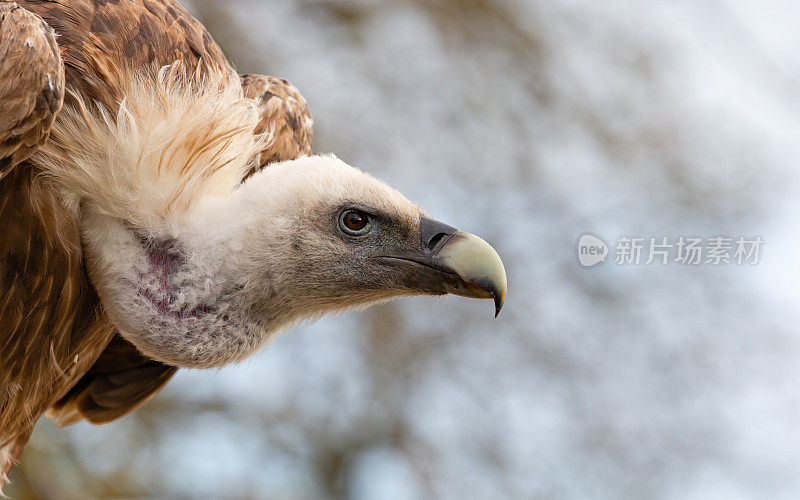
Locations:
{"points": [[31, 84], [58, 350], [284, 114]]}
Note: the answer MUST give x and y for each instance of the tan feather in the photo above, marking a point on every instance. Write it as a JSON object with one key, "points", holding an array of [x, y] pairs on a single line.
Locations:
{"points": [[175, 138], [285, 116]]}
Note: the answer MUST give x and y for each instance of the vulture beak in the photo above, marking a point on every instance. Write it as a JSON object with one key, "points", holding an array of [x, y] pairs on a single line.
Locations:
{"points": [[460, 263], [479, 269]]}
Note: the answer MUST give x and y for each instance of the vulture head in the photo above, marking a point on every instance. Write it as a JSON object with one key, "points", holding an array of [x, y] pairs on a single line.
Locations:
{"points": [[197, 268]]}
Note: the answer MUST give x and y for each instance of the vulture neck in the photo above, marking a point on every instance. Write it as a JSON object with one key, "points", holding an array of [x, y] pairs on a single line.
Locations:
{"points": [[199, 293]]}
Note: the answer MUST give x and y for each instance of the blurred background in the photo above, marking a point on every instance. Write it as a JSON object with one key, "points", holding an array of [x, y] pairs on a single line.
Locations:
{"points": [[528, 123]]}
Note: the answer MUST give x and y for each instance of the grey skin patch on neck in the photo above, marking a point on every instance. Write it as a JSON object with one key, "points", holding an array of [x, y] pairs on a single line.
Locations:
{"points": [[183, 314], [157, 283]]}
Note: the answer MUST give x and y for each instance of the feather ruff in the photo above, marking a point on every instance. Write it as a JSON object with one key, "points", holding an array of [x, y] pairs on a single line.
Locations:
{"points": [[177, 138]]}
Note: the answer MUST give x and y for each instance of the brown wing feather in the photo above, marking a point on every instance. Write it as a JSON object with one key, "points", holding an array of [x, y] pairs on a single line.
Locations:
{"points": [[51, 326], [31, 84], [101, 41], [284, 114], [117, 384]]}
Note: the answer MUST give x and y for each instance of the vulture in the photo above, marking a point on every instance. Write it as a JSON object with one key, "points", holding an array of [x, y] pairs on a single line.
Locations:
{"points": [[159, 210]]}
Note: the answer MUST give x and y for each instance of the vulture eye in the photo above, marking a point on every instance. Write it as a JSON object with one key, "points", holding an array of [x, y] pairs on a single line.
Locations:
{"points": [[355, 222]]}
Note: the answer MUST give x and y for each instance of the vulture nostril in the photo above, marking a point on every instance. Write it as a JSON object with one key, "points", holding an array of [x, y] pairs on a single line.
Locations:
{"points": [[433, 234], [435, 240]]}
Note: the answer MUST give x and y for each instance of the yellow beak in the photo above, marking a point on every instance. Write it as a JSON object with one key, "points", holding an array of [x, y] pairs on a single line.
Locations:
{"points": [[478, 266]]}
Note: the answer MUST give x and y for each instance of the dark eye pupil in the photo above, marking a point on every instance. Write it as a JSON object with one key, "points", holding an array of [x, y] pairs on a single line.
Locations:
{"points": [[355, 221]]}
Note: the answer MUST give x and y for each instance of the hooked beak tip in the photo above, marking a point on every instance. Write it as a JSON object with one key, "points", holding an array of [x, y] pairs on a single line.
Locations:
{"points": [[499, 299]]}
